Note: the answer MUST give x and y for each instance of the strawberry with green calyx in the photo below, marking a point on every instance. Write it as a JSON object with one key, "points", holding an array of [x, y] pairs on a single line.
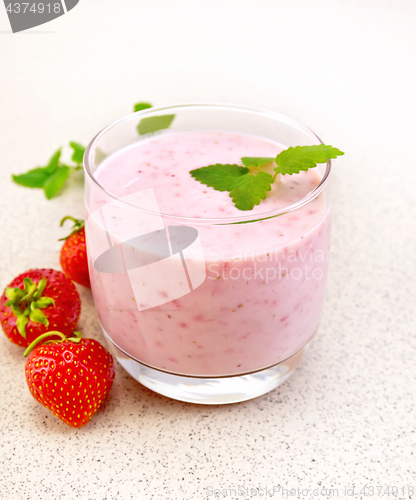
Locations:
{"points": [[37, 301], [71, 377], [73, 256]]}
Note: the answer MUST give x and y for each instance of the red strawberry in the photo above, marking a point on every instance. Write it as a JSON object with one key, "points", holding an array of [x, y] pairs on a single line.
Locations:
{"points": [[74, 253], [37, 301], [71, 377]]}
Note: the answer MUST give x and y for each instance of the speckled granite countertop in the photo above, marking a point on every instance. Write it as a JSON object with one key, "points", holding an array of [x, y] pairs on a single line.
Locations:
{"points": [[346, 417]]}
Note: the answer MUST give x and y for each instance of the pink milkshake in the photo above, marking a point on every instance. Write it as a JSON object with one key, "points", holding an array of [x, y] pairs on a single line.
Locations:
{"points": [[261, 294]]}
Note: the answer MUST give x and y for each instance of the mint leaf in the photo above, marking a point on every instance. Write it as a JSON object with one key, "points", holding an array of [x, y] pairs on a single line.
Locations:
{"points": [[78, 154], [34, 178], [55, 181], [54, 161], [218, 176], [142, 105], [248, 190], [256, 161], [154, 123], [293, 160]]}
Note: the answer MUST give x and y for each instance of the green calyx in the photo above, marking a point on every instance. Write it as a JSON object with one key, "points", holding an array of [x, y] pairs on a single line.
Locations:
{"points": [[76, 227], [44, 336], [27, 303]]}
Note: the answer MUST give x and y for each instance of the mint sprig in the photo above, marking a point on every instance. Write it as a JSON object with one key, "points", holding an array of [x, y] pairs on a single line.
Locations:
{"points": [[37, 177], [247, 189], [52, 177]]}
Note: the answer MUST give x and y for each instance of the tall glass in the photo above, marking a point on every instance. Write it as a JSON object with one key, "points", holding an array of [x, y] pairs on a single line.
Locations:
{"points": [[186, 313]]}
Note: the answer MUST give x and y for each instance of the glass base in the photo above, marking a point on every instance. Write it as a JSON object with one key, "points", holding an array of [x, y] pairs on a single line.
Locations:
{"points": [[209, 391]]}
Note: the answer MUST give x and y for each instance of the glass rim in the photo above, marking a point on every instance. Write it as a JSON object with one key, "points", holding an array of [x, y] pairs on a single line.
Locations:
{"points": [[314, 193]]}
